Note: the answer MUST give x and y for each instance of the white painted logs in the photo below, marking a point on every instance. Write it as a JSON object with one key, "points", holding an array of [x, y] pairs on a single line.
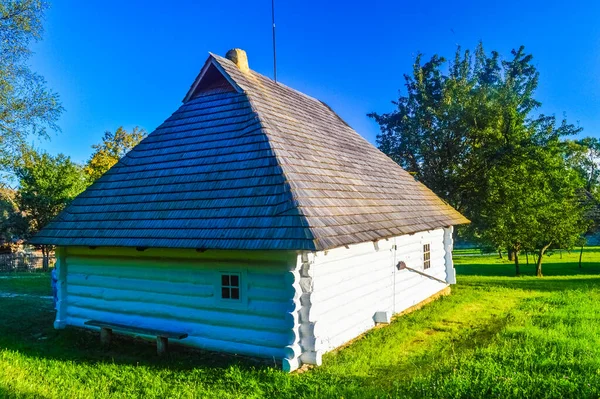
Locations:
{"points": [[184, 295], [448, 246]]}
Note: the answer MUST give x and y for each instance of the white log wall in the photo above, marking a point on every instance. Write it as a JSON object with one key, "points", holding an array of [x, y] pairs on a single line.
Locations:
{"points": [[180, 291], [294, 307], [344, 287]]}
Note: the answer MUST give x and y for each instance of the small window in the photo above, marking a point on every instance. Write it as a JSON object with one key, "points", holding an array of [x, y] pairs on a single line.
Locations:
{"points": [[230, 286], [426, 256]]}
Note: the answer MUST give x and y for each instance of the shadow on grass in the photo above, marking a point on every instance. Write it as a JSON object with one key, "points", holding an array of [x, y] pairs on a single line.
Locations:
{"points": [[539, 284], [28, 331], [463, 340], [28, 328], [7, 393], [507, 269]]}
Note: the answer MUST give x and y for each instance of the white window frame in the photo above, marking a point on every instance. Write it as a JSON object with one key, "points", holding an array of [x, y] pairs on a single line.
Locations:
{"points": [[426, 256], [221, 302]]}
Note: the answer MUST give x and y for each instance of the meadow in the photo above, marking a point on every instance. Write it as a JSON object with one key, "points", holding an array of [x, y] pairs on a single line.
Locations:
{"points": [[496, 335]]}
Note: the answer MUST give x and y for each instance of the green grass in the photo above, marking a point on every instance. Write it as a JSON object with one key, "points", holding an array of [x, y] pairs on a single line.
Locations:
{"points": [[495, 336], [555, 263], [26, 283]]}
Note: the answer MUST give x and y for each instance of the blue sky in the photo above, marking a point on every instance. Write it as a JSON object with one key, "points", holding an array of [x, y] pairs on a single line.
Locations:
{"points": [[131, 62]]}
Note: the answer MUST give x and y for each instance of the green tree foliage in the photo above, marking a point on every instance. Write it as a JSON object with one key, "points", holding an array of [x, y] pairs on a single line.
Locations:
{"points": [[47, 184], [113, 147], [26, 105], [533, 203], [470, 134], [584, 156], [12, 221]]}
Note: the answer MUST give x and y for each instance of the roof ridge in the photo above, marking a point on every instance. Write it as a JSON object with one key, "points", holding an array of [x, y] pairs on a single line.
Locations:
{"points": [[260, 75], [265, 127], [288, 188]]}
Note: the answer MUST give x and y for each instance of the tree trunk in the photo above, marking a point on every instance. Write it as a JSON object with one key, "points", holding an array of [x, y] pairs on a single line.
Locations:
{"points": [[45, 260], [527, 257], [511, 255], [538, 267], [516, 259], [500, 253], [580, 255]]}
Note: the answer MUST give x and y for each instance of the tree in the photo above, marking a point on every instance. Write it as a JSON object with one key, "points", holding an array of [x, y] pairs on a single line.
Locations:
{"points": [[113, 147], [534, 202], [448, 128], [12, 222], [27, 107], [47, 184], [584, 157], [470, 135]]}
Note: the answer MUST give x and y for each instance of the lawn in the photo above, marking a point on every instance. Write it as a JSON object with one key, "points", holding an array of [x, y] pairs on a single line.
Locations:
{"points": [[495, 336]]}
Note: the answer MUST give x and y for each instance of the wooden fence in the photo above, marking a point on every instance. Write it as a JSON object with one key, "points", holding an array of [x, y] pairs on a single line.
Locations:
{"points": [[23, 262]]}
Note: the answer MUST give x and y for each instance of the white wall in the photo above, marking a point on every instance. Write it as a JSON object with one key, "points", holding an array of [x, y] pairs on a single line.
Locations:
{"points": [[344, 287], [180, 291], [294, 306]]}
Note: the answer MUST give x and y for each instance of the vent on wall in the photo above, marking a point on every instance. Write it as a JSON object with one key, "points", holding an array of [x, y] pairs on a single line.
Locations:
{"points": [[382, 317]]}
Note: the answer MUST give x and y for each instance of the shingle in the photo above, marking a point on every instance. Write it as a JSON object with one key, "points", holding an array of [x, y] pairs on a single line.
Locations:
{"points": [[267, 168]]}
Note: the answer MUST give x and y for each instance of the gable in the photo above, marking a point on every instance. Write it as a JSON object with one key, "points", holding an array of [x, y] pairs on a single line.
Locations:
{"points": [[211, 77]]}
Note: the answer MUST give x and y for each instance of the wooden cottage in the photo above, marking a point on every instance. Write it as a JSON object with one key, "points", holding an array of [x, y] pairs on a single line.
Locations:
{"points": [[254, 221]]}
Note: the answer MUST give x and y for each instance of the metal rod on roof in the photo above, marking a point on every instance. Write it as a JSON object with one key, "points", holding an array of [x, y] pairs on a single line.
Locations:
{"points": [[274, 49]]}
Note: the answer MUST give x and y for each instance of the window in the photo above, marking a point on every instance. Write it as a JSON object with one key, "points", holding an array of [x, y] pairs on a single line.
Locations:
{"points": [[426, 256], [230, 286]]}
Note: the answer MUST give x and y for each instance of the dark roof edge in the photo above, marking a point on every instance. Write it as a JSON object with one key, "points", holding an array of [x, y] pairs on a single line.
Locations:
{"points": [[54, 241]]}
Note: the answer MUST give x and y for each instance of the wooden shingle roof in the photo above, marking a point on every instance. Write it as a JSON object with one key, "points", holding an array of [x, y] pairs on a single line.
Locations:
{"points": [[247, 163]]}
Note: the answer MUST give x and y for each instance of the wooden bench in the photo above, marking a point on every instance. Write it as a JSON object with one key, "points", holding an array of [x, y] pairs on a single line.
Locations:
{"points": [[162, 337]]}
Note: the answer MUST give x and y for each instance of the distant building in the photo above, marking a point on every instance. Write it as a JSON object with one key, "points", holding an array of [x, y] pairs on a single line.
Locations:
{"points": [[254, 220]]}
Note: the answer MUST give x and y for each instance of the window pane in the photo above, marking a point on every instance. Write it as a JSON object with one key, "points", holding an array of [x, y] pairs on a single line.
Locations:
{"points": [[235, 280], [225, 293], [235, 293], [225, 279]]}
